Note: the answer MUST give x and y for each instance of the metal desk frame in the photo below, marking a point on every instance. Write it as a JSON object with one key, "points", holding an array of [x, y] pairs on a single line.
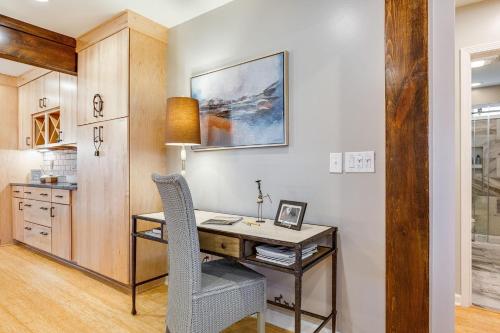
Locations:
{"points": [[298, 269]]}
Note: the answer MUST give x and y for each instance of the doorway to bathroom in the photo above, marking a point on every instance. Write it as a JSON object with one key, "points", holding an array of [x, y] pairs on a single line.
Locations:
{"points": [[480, 155]]}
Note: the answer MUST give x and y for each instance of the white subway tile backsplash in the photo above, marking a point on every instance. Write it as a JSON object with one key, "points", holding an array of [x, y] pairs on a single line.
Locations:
{"points": [[64, 162]]}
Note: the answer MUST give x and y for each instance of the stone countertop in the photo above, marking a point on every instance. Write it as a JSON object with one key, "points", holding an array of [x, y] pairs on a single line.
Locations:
{"points": [[58, 186]]}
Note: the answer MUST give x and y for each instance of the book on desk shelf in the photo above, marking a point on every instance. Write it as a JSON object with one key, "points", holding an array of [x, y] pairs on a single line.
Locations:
{"points": [[153, 233], [223, 220], [283, 255]]}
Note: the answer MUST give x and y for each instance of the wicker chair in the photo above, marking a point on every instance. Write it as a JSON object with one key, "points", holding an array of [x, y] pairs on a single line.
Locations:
{"points": [[208, 297]]}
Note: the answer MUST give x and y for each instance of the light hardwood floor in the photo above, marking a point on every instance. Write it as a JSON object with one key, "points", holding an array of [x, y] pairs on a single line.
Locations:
{"points": [[40, 295], [476, 320]]}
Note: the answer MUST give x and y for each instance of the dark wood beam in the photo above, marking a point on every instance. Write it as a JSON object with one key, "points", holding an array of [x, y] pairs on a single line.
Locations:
{"points": [[407, 166], [29, 44]]}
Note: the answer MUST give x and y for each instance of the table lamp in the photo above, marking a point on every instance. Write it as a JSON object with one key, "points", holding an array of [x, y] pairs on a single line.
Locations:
{"points": [[183, 125]]}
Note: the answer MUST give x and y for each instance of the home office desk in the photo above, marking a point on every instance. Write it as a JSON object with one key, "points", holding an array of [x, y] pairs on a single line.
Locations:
{"points": [[238, 242]]}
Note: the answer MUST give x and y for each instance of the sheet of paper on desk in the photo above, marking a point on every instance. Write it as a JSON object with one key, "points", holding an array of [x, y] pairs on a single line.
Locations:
{"points": [[223, 220]]}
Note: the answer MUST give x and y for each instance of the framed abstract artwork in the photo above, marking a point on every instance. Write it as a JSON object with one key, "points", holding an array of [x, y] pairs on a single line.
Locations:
{"points": [[244, 105]]}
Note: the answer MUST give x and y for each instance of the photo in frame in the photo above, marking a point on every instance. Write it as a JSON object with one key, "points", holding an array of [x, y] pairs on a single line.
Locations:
{"points": [[245, 105], [290, 214]]}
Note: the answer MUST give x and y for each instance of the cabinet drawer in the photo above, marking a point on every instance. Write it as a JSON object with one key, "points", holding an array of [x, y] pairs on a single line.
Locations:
{"points": [[37, 193], [37, 212], [17, 191], [61, 196], [38, 236], [219, 244]]}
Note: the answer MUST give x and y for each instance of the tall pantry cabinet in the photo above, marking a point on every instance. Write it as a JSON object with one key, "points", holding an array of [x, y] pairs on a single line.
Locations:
{"points": [[120, 138]]}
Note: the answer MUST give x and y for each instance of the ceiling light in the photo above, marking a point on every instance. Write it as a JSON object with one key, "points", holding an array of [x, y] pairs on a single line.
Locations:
{"points": [[42, 0], [478, 63], [476, 84]]}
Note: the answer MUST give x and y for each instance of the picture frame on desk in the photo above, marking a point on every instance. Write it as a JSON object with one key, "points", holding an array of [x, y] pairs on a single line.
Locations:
{"points": [[290, 214]]}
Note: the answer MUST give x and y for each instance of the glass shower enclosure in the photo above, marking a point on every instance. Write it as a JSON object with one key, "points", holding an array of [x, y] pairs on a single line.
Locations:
{"points": [[486, 209]]}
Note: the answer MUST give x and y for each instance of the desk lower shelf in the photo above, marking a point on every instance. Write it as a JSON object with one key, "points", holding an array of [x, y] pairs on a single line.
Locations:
{"points": [[323, 253]]}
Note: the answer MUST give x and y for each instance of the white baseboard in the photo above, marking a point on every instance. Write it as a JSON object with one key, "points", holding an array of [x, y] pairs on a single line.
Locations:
{"points": [[458, 299], [284, 320]]}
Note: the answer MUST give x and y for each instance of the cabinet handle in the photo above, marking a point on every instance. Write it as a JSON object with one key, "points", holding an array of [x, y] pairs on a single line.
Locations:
{"points": [[97, 140], [19, 205], [26, 205], [223, 246], [45, 102], [16, 191], [44, 208], [27, 228], [98, 106], [43, 233], [59, 196], [40, 103], [28, 141], [27, 192], [52, 212], [101, 131], [60, 136], [43, 194]]}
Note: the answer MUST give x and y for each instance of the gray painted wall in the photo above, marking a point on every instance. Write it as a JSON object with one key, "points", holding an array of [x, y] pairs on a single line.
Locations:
{"points": [[336, 75]]}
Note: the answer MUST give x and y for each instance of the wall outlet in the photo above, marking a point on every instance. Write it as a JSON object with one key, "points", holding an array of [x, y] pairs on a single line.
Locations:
{"points": [[363, 161], [335, 162]]}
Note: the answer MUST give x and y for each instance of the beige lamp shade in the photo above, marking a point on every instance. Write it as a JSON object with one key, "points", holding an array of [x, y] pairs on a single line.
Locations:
{"points": [[183, 121]]}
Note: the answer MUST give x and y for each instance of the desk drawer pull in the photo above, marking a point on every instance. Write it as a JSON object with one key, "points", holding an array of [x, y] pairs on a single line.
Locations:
{"points": [[223, 246]]}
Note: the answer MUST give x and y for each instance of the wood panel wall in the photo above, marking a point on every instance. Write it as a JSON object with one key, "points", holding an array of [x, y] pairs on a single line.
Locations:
{"points": [[407, 166], [29, 44]]}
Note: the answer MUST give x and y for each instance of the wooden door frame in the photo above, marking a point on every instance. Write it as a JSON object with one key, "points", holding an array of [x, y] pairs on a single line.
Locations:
{"points": [[467, 54], [407, 166]]}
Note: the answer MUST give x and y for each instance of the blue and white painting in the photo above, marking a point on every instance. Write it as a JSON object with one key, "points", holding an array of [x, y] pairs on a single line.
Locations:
{"points": [[243, 105]]}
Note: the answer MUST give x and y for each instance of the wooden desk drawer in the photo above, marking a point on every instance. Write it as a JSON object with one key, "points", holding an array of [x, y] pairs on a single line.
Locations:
{"points": [[38, 193], [17, 191], [37, 212], [61, 196], [224, 245], [38, 236]]}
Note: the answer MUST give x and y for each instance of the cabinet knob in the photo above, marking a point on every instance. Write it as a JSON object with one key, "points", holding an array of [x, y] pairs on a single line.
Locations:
{"points": [[223, 246]]}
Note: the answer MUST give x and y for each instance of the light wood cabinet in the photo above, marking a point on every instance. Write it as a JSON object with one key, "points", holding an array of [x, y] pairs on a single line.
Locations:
{"points": [[47, 91], [103, 80], [102, 231], [26, 108], [17, 219], [61, 231], [127, 69], [68, 102], [47, 111], [41, 221]]}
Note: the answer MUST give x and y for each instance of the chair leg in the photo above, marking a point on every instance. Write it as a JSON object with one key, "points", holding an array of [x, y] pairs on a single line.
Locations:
{"points": [[261, 322]]}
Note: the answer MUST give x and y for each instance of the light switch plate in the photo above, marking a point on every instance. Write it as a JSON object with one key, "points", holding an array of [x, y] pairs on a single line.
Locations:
{"points": [[335, 162], [362, 161]]}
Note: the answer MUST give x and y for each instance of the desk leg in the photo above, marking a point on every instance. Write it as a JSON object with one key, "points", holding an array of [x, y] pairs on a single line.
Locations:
{"points": [[134, 263], [298, 288], [334, 282]]}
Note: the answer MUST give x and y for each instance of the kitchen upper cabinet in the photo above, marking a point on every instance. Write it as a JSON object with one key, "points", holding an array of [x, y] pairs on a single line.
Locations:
{"points": [[17, 219], [102, 228], [47, 111], [27, 107], [47, 91], [103, 79], [68, 101]]}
